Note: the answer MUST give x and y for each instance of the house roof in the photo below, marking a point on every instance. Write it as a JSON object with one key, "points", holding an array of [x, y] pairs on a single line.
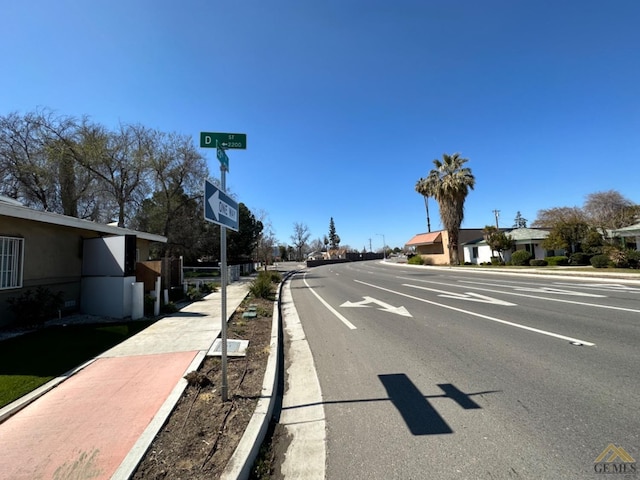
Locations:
{"points": [[11, 209], [630, 231], [526, 234], [477, 241], [425, 239], [519, 235]]}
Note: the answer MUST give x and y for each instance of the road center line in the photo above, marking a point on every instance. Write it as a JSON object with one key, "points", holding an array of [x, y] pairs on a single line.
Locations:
{"points": [[350, 325], [486, 317]]}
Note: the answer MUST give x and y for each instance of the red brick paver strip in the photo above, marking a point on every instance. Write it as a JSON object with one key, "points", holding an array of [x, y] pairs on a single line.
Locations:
{"points": [[85, 427]]}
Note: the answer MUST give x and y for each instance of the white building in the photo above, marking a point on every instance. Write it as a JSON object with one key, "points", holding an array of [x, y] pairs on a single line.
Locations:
{"points": [[530, 239]]}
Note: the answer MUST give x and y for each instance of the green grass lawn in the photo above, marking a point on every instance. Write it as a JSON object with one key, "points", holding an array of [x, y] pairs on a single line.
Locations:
{"points": [[31, 360]]}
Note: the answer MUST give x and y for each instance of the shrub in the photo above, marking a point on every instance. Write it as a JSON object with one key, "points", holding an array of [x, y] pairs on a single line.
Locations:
{"points": [[538, 262], [193, 293], [633, 257], [416, 260], [262, 286], [275, 276], [35, 308], [580, 258], [169, 308], [496, 261], [619, 258], [559, 260], [520, 258], [149, 303], [209, 287], [600, 261]]}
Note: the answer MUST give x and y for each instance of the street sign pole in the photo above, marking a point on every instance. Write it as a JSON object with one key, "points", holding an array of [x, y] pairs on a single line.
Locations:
{"points": [[223, 206], [223, 282]]}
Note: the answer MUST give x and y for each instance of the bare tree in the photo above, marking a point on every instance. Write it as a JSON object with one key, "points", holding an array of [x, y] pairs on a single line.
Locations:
{"points": [[28, 172], [121, 160], [177, 170], [610, 210], [267, 241], [300, 237], [568, 227], [316, 245]]}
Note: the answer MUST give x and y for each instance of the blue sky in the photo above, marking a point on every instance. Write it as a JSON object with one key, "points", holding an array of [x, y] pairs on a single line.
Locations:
{"points": [[346, 103]]}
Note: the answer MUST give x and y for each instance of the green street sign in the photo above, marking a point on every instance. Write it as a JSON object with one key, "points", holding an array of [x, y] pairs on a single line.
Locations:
{"points": [[222, 157], [223, 140]]}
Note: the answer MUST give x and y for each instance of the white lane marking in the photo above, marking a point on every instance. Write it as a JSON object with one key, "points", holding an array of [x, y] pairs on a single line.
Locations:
{"points": [[615, 287], [548, 299], [472, 297], [486, 317], [385, 306], [556, 291], [350, 325]]}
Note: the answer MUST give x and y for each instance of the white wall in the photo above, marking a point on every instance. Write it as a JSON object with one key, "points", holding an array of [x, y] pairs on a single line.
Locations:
{"points": [[484, 254], [107, 296]]}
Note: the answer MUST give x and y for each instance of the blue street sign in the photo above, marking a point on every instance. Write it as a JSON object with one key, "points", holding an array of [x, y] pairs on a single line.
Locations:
{"points": [[219, 207]]}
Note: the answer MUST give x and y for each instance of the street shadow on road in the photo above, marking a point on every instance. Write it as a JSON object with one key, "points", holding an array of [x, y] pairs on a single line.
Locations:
{"points": [[415, 408]]}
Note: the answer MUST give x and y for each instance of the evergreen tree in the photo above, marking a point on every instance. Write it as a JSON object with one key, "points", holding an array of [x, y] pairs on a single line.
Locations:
{"points": [[334, 239], [519, 221]]}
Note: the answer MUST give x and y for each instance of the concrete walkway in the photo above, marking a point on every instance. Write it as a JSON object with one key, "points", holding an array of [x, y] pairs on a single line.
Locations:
{"points": [[97, 422]]}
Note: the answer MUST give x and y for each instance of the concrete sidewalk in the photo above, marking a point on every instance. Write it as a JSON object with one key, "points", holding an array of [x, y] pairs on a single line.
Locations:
{"points": [[97, 422]]}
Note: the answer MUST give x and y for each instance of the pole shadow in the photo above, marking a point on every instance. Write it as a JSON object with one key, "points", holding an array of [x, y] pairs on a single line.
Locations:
{"points": [[414, 407], [416, 410]]}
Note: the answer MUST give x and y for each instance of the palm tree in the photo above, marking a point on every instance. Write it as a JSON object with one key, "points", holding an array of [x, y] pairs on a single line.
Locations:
{"points": [[423, 189], [449, 183]]}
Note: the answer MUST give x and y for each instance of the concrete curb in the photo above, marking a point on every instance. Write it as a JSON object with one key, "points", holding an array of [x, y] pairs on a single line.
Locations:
{"points": [[617, 277], [245, 454], [135, 455]]}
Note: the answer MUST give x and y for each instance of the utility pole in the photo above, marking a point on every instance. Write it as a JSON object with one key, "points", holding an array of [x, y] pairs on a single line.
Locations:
{"points": [[370, 249], [497, 214]]}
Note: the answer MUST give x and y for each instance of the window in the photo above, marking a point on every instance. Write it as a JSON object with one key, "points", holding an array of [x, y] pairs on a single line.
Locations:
{"points": [[474, 252], [11, 260]]}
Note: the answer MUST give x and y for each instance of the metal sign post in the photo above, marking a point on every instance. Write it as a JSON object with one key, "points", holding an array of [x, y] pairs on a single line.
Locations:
{"points": [[223, 286], [223, 210]]}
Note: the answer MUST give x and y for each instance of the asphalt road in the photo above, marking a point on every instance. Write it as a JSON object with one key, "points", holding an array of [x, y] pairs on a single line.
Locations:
{"points": [[442, 373]]}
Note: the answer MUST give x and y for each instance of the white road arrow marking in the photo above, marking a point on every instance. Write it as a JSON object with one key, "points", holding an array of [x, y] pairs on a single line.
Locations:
{"points": [[602, 286], [220, 207], [475, 314], [385, 307], [556, 291], [476, 297], [214, 202], [470, 296]]}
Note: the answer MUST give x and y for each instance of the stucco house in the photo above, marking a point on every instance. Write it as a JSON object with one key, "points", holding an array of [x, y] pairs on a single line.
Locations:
{"points": [[90, 263], [530, 239], [433, 247]]}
